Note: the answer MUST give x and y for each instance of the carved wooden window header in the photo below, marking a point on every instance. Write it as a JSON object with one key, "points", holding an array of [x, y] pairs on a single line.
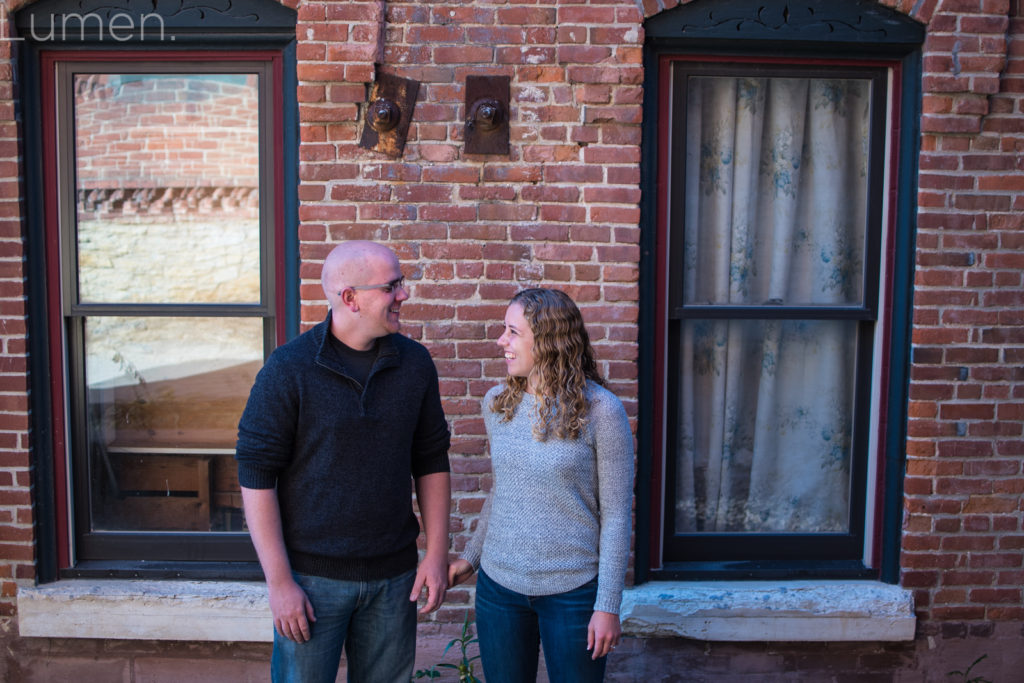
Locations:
{"points": [[833, 22]]}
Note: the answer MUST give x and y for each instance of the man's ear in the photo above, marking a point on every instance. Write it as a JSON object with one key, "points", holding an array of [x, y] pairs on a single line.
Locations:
{"points": [[348, 299]]}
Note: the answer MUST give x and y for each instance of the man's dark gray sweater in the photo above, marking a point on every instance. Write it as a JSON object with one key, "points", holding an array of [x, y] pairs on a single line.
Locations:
{"points": [[343, 456]]}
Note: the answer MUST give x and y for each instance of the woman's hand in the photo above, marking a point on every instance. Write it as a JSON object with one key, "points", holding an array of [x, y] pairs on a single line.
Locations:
{"points": [[459, 571], [603, 633]]}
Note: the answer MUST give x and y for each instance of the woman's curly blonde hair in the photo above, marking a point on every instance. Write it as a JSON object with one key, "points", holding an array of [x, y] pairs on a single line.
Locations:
{"points": [[563, 362]]}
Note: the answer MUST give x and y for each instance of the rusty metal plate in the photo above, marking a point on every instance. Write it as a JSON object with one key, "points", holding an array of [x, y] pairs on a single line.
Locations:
{"points": [[388, 114], [487, 114]]}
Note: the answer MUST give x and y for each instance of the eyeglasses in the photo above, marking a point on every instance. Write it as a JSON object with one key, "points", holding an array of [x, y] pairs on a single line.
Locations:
{"points": [[387, 287]]}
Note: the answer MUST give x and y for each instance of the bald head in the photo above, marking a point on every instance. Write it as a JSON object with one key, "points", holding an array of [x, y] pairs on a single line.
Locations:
{"points": [[357, 279], [353, 263]]}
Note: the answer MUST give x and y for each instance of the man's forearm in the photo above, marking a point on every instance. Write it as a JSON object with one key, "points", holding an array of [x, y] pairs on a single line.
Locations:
{"points": [[263, 516], [434, 494]]}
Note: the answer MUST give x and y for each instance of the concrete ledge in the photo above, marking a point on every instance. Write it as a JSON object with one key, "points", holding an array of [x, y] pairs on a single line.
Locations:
{"points": [[759, 611], [147, 610], [752, 611]]}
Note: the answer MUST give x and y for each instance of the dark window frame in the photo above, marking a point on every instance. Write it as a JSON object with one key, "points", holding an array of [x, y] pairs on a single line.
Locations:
{"points": [[736, 547], [263, 32], [867, 37], [63, 66]]}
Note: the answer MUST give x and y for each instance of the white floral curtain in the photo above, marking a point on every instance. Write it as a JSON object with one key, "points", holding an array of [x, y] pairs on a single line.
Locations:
{"points": [[775, 213]]}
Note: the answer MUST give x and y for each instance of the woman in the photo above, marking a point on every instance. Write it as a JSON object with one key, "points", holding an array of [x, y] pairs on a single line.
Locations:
{"points": [[552, 542]]}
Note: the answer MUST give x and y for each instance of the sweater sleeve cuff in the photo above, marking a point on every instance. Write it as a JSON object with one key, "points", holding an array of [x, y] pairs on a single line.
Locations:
{"points": [[608, 603], [472, 555], [432, 464], [254, 477], [474, 550]]}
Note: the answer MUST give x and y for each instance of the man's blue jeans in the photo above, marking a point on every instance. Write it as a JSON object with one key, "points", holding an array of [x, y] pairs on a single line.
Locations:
{"points": [[375, 622], [510, 624]]}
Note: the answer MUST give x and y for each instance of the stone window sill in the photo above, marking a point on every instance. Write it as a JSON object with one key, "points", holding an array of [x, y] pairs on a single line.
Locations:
{"points": [[222, 611], [759, 611]]}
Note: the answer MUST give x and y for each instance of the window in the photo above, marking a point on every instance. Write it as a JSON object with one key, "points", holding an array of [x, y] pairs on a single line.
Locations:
{"points": [[165, 215], [778, 331]]}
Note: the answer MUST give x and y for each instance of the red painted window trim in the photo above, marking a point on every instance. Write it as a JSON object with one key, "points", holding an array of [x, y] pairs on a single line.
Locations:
{"points": [[887, 306]]}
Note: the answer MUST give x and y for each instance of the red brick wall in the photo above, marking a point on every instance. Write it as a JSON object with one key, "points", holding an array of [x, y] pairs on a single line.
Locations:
{"points": [[160, 133], [963, 542], [17, 552], [561, 209]]}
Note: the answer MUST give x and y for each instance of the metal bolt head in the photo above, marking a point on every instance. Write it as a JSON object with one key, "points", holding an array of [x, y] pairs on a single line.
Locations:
{"points": [[487, 114], [383, 115]]}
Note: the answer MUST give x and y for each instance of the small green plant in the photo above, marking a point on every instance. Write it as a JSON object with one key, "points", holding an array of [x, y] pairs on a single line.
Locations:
{"points": [[431, 673], [965, 675], [464, 666]]}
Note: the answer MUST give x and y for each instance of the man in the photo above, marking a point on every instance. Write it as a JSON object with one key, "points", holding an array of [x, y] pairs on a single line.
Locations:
{"points": [[339, 423]]}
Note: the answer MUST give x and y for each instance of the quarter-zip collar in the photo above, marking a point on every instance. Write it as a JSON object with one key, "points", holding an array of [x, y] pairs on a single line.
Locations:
{"points": [[387, 357]]}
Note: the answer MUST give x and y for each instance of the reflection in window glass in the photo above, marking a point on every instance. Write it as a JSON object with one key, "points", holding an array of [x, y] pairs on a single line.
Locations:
{"points": [[163, 400], [167, 184]]}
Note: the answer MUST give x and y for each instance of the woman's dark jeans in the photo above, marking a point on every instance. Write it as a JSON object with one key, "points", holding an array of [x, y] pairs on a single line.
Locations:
{"points": [[510, 624]]}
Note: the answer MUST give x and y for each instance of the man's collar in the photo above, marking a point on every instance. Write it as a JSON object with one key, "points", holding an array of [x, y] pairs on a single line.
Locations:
{"points": [[387, 351]]}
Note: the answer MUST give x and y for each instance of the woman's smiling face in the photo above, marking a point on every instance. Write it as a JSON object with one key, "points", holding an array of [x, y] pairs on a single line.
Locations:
{"points": [[517, 342]]}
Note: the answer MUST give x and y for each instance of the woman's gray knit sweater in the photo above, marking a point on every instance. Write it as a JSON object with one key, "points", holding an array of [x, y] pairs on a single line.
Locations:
{"points": [[559, 511]]}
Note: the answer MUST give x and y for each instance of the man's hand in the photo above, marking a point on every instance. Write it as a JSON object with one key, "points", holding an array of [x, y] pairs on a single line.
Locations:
{"points": [[603, 633], [291, 609], [434, 495], [459, 571], [430, 575]]}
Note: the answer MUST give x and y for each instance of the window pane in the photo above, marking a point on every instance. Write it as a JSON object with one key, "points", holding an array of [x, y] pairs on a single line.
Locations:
{"points": [[776, 190], [163, 399], [167, 188], [764, 426]]}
